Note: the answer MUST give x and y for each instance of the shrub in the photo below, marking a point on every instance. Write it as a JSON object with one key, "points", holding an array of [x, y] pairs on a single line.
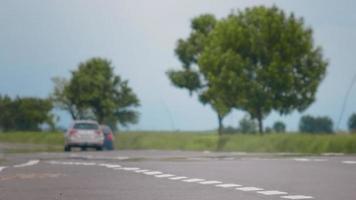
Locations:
{"points": [[352, 123], [310, 124], [279, 127]]}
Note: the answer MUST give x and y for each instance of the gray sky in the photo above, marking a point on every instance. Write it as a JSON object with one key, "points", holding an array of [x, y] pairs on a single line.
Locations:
{"points": [[40, 39]]}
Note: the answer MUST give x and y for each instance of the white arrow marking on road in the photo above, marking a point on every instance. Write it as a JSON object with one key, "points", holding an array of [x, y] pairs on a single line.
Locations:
{"points": [[29, 163], [297, 197], [193, 180], [272, 192], [178, 178], [210, 182], [248, 189], [164, 175], [349, 162], [228, 185]]}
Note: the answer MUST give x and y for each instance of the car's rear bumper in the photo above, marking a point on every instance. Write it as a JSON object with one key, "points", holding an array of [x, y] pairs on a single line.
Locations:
{"points": [[85, 145]]}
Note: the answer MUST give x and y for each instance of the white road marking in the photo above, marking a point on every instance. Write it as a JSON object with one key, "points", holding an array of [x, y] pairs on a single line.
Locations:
{"points": [[193, 180], [302, 159], [297, 197], [141, 170], [349, 162], [210, 182], [159, 174], [110, 165], [308, 159], [272, 192], [164, 175], [153, 173], [130, 168], [249, 189], [29, 163], [178, 178], [228, 185], [88, 163], [2, 168]]}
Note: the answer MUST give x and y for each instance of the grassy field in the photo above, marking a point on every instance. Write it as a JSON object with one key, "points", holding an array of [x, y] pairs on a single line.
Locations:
{"points": [[290, 143]]}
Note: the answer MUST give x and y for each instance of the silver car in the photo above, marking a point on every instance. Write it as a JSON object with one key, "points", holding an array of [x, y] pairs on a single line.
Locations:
{"points": [[84, 134]]}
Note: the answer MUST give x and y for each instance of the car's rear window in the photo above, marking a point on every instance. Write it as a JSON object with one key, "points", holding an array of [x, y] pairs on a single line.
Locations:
{"points": [[86, 126]]}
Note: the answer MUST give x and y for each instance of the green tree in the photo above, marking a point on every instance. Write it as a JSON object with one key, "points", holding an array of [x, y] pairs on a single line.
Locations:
{"points": [[94, 91], [7, 120], [279, 127], [247, 125], [61, 99], [352, 123], [265, 60], [310, 124], [190, 77], [25, 114]]}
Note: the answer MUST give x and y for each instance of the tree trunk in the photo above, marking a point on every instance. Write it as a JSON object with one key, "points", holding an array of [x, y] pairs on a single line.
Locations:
{"points": [[260, 121], [220, 120]]}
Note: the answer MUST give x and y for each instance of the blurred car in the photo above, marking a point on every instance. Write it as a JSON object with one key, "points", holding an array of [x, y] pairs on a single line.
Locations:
{"points": [[84, 134], [108, 137]]}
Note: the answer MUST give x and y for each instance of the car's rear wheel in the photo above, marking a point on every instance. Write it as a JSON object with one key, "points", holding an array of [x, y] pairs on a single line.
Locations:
{"points": [[99, 148], [83, 148], [67, 148]]}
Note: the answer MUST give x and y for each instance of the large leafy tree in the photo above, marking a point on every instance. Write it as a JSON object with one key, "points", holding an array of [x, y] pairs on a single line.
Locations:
{"points": [[190, 77], [264, 60], [95, 91]]}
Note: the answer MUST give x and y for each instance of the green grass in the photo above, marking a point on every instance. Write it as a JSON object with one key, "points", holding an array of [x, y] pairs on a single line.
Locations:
{"points": [[289, 143], [32, 138]]}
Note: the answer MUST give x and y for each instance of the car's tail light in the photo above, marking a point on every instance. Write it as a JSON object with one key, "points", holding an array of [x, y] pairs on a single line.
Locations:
{"points": [[72, 132], [98, 132]]}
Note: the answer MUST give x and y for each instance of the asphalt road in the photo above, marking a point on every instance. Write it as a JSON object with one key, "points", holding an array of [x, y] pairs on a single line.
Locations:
{"points": [[171, 175]]}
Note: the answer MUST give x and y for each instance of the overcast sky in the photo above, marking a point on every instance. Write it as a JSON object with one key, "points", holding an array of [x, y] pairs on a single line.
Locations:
{"points": [[40, 39]]}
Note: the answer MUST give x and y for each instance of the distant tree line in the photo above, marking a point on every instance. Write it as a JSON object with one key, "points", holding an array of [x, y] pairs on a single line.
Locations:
{"points": [[307, 124], [25, 113]]}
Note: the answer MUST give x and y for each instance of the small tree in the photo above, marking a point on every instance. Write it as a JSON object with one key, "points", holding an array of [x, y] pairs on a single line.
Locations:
{"points": [[279, 127], [247, 125], [352, 123], [268, 130], [310, 124]]}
